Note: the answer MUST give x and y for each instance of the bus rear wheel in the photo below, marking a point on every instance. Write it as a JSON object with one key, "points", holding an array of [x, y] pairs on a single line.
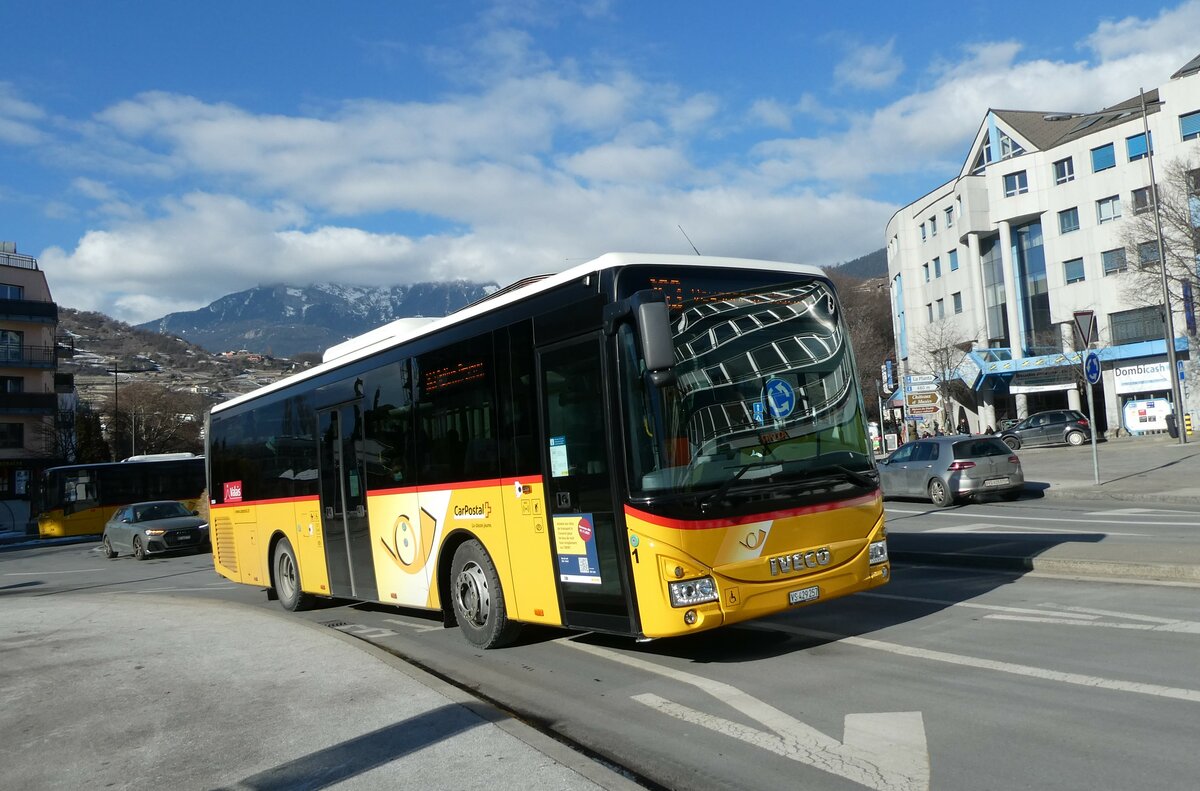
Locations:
{"points": [[286, 574], [478, 599]]}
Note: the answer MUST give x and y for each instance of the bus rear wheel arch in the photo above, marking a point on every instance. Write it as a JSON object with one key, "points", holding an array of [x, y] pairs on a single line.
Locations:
{"points": [[478, 599], [285, 578]]}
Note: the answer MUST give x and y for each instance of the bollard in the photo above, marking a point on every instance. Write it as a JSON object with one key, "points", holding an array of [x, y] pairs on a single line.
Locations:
{"points": [[1187, 423]]}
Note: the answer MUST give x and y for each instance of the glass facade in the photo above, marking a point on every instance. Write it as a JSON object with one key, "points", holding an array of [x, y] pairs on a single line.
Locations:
{"points": [[993, 291], [1030, 259]]}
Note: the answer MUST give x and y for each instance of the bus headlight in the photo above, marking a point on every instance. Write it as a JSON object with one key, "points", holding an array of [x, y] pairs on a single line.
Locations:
{"points": [[877, 552], [689, 592]]}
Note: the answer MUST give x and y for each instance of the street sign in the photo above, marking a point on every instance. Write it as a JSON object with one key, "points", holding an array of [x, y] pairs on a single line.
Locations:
{"points": [[922, 388], [1085, 326], [924, 410], [1091, 367], [922, 399], [919, 379]]}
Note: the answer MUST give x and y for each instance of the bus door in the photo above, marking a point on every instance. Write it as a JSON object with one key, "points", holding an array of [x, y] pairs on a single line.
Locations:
{"points": [[586, 527], [344, 521]]}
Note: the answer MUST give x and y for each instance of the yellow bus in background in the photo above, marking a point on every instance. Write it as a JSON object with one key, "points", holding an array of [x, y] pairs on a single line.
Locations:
{"points": [[77, 499], [642, 445]]}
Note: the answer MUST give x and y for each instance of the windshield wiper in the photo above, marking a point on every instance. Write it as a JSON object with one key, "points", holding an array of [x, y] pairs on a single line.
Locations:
{"points": [[728, 482], [863, 479]]}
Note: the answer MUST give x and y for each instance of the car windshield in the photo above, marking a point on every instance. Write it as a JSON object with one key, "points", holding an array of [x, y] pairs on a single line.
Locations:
{"points": [[764, 394], [979, 447], [152, 511]]}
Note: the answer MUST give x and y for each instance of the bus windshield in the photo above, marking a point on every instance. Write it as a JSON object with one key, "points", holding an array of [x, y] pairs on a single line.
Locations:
{"points": [[764, 402]]}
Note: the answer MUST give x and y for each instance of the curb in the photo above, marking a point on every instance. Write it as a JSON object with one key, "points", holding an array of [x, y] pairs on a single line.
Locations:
{"points": [[1101, 569]]}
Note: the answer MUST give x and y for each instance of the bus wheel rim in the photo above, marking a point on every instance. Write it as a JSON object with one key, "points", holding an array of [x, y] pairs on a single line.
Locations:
{"points": [[287, 575], [472, 592]]}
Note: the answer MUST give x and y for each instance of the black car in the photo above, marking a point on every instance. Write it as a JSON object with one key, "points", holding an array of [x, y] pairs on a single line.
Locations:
{"points": [[1052, 427]]}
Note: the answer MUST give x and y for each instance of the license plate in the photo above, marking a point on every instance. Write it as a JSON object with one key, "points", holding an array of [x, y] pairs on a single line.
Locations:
{"points": [[184, 537], [804, 595], [996, 482]]}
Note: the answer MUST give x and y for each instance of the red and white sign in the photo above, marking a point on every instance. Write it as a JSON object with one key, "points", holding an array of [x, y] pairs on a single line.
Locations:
{"points": [[233, 492], [585, 530]]}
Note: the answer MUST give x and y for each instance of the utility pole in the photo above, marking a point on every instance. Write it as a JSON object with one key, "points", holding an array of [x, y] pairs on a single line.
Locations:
{"points": [[116, 372], [1168, 316]]}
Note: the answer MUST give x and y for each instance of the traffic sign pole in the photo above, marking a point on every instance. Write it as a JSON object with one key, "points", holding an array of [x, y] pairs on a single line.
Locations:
{"points": [[1092, 421]]}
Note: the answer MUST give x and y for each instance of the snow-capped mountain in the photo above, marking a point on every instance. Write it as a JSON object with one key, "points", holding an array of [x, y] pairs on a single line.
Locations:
{"points": [[285, 320]]}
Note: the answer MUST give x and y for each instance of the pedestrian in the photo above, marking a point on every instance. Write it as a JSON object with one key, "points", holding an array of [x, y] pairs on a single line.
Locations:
{"points": [[963, 426]]}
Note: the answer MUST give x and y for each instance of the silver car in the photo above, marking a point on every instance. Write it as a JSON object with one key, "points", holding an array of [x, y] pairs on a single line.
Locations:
{"points": [[946, 469], [150, 528]]}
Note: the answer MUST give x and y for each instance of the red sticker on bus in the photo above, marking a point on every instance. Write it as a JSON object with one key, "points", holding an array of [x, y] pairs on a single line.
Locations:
{"points": [[585, 530], [233, 492]]}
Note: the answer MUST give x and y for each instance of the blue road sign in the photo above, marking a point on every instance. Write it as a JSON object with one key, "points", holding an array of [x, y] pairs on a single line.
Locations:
{"points": [[1091, 367], [780, 398]]}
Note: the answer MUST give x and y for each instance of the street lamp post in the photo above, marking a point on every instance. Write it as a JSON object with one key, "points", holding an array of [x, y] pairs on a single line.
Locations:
{"points": [[1168, 316], [116, 372]]}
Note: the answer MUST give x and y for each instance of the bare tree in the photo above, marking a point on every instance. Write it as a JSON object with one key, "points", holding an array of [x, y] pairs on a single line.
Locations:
{"points": [[1179, 215], [153, 419], [937, 349]]}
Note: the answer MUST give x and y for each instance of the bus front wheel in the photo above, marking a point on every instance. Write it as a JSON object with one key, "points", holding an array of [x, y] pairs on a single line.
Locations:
{"points": [[286, 572], [478, 599]]}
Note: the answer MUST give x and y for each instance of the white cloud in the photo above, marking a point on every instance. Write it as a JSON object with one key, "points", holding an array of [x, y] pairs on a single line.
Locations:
{"points": [[19, 118], [1131, 37], [869, 67], [771, 113]]}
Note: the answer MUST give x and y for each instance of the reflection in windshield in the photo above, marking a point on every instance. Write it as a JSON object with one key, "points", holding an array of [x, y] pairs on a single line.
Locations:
{"points": [[764, 392]]}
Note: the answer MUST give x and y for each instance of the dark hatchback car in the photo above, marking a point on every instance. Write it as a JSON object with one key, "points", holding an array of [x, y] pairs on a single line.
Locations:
{"points": [[154, 527], [946, 469], [1052, 427]]}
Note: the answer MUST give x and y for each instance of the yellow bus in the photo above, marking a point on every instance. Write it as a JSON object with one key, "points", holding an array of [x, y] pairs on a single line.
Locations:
{"points": [[642, 445], [77, 499]]}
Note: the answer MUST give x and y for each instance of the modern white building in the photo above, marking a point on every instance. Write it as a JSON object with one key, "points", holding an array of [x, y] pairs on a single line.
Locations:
{"points": [[998, 260]]}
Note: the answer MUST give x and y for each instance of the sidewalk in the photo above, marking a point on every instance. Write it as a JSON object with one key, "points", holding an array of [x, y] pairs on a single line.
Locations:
{"points": [[138, 692]]}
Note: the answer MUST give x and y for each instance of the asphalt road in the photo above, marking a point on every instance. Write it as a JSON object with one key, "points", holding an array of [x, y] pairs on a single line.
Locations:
{"points": [[947, 678]]}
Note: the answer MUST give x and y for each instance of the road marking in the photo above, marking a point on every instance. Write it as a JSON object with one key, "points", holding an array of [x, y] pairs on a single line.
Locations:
{"points": [[1140, 511], [986, 527], [40, 573], [1027, 671], [417, 627], [362, 630], [1083, 518], [1185, 627], [975, 606], [885, 751]]}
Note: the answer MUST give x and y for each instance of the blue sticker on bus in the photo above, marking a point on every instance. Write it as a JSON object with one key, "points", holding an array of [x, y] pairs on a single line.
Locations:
{"points": [[780, 398]]}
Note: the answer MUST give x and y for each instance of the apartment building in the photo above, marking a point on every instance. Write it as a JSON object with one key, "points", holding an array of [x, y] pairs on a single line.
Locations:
{"points": [[34, 396], [994, 264]]}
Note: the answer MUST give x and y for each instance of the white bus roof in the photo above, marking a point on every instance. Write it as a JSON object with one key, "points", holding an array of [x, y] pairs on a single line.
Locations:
{"points": [[404, 330]]}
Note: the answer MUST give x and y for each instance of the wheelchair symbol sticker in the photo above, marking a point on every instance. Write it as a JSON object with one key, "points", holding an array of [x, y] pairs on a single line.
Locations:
{"points": [[780, 398]]}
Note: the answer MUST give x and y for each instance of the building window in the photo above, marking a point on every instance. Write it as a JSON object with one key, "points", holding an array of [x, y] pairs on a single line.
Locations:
{"points": [[922, 232], [12, 435], [941, 306], [12, 346], [1073, 270], [1135, 146], [1068, 220], [956, 298], [1064, 171], [1108, 209], [1137, 325], [929, 311], [1015, 184], [1142, 200], [933, 226], [1148, 252], [926, 268], [1189, 126], [1103, 158], [937, 267], [1113, 260], [8, 291], [12, 384], [953, 255], [950, 217]]}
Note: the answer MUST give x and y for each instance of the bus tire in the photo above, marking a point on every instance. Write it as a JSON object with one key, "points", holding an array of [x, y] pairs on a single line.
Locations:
{"points": [[139, 550], [106, 545], [478, 598], [285, 574]]}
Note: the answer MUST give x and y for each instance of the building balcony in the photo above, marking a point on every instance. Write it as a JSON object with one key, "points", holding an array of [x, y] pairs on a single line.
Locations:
{"points": [[12, 356], [17, 260], [28, 310], [28, 404]]}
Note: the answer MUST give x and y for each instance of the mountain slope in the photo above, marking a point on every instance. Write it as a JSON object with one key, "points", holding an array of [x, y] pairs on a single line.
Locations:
{"points": [[284, 320]]}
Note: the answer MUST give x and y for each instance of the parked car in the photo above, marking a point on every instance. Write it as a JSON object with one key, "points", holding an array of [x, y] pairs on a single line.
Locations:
{"points": [[154, 527], [1052, 427], [947, 469]]}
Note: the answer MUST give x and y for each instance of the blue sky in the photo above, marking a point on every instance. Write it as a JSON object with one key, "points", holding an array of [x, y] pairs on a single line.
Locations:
{"points": [[155, 156]]}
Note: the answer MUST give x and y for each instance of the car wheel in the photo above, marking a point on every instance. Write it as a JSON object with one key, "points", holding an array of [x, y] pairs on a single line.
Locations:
{"points": [[139, 550], [286, 576], [1075, 438], [940, 494], [478, 599], [1013, 443], [106, 545]]}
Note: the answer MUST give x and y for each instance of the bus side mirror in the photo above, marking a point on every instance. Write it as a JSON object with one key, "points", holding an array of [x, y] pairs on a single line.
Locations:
{"points": [[658, 349]]}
